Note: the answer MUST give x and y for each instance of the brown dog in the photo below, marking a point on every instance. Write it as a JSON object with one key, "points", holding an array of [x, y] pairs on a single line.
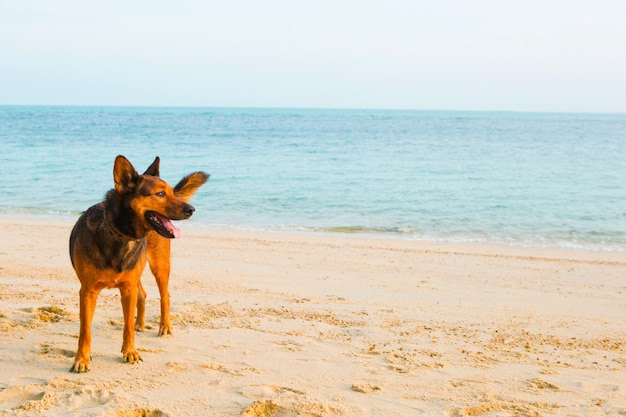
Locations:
{"points": [[112, 240]]}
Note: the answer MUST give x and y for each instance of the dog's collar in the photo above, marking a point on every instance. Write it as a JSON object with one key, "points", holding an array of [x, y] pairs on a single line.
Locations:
{"points": [[115, 231]]}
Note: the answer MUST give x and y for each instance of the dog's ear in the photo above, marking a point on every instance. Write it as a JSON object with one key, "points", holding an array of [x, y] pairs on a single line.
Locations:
{"points": [[153, 169], [124, 175], [187, 187]]}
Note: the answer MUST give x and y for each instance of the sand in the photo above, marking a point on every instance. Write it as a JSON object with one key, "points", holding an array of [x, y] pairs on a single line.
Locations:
{"points": [[270, 324]]}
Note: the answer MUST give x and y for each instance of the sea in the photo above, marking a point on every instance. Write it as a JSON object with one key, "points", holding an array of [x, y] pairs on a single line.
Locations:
{"points": [[554, 180]]}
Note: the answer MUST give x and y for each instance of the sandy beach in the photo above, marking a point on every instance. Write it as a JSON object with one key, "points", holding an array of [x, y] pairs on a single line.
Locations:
{"points": [[271, 324]]}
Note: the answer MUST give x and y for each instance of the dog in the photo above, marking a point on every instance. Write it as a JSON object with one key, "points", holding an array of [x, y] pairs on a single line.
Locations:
{"points": [[111, 242]]}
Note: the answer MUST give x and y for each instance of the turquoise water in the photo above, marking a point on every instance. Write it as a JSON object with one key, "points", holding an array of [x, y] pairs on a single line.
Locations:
{"points": [[522, 179]]}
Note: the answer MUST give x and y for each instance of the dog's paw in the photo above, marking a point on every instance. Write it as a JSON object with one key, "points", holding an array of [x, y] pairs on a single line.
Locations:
{"points": [[80, 365], [131, 356], [165, 329]]}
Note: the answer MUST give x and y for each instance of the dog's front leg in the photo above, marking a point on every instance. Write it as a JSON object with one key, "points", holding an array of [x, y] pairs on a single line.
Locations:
{"points": [[159, 259], [82, 359], [128, 292], [162, 276]]}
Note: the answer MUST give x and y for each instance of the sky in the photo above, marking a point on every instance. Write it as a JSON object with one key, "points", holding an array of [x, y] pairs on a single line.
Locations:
{"points": [[531, 55]]}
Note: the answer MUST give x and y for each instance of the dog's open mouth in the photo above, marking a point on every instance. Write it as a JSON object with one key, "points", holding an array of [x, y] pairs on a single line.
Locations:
{"points": [[162, 225]]}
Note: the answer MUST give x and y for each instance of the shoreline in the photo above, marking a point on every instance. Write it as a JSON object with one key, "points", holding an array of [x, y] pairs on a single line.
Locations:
{"points": [[295, 324], [355, 232]]}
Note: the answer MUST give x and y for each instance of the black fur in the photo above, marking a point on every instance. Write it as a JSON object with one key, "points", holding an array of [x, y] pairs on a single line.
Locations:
{"points": [[105, 248]]}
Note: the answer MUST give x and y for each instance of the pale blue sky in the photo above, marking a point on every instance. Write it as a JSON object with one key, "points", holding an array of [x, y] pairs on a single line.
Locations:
{"points": [[531, 55]]}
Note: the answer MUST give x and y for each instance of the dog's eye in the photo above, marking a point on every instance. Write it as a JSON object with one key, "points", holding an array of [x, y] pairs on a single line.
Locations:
{"points": [[160, 194]]}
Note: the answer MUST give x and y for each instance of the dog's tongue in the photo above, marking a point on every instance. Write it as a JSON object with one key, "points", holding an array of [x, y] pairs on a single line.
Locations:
{"points": [[175, 231]]}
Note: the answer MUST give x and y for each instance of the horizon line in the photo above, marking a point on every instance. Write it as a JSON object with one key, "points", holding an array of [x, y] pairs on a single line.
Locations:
{"points": [[399, 109]]}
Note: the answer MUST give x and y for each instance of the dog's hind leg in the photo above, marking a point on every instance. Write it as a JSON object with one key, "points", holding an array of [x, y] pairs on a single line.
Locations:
{"points": [[140, 321], [128, 292], [88, 299]]}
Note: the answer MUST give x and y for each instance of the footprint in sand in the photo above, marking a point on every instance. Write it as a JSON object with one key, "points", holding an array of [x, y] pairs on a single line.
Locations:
{"points": [[55, 314], [140, 412], [271, 408], [538, 385], [365, 388], [236, 372], [289, 402], [20, 396], [267, 408], [85, 398], [515, 408], [47, 350]]}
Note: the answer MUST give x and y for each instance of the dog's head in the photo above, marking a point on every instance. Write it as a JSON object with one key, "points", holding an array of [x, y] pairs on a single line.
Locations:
{"points": [[152, 199]]}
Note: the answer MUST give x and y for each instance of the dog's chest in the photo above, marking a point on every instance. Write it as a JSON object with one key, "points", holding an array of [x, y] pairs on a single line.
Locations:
{"points": [[128, 265], [121, 256], [132, 253]]}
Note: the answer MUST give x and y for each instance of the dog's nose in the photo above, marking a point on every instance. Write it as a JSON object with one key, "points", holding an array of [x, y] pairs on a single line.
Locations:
{"points": [[189, 209]]}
